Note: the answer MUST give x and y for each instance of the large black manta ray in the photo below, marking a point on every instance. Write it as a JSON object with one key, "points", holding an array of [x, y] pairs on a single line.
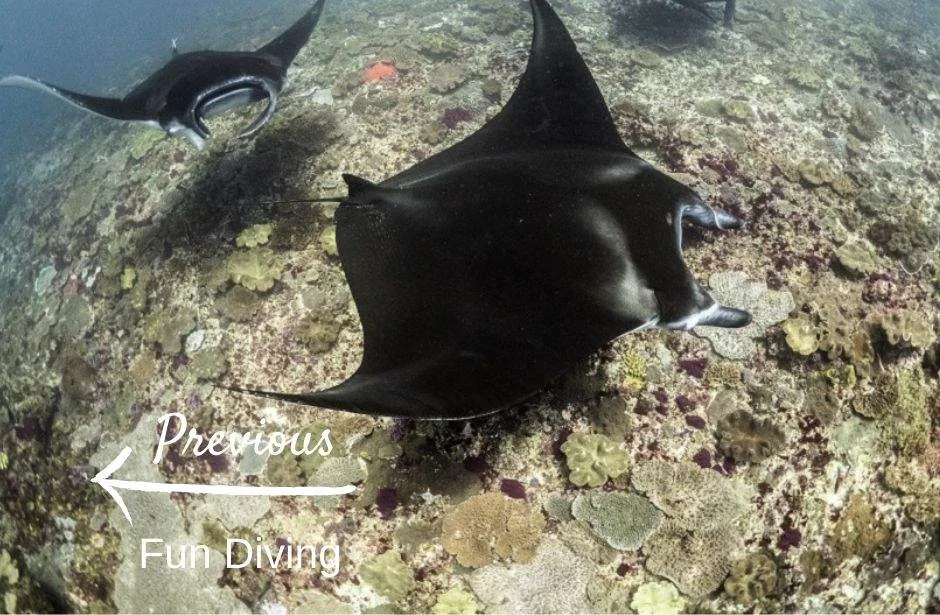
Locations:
{"points": [[483, 272], [197, 85]]}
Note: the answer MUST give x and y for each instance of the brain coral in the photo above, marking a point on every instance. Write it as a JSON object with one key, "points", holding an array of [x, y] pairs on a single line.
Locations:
{"points": [[490, 525], [592, 459], [752, 579]]}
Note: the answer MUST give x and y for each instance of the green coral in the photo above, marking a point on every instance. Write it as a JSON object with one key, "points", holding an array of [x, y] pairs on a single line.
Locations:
{"points": [[75, 317], [858, 256], [593, 458], [239, 304], [907, 328], [9, 575], [388, 575], [284, 471], [319, 331], [905, 417], [455, 601], [254, 236], [255, 269], [623, 520], [128, 278], [657, 598], [634, 368], [207, 364], [752, 579], [167, 329], [802, 336]]}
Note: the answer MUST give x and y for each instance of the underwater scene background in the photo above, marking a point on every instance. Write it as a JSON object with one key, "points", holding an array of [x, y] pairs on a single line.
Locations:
{"points": [[792, 465]]}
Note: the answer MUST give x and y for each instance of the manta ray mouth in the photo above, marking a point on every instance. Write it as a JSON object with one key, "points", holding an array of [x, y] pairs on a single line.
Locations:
{"points": [[233, 94]]}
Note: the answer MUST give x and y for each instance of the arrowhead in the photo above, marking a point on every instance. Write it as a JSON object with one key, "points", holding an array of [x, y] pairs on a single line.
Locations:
{"points": [[102, 478]]}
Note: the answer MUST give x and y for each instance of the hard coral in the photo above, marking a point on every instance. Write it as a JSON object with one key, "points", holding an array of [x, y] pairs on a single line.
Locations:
{"points": [[657, 598], [747, 439], [490, 525], [554, 581], [623, 520], [692, 496], [455, 601], [592, 459], [752, 579], [388, 575], [697, 561], [255, 269]]}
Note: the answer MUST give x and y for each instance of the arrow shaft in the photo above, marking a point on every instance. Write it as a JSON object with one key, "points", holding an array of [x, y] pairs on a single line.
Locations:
{"points": [[237, 490]]}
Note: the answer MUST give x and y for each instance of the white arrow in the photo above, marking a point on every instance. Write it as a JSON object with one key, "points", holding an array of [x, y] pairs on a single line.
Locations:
{"points": [[111, 485]]}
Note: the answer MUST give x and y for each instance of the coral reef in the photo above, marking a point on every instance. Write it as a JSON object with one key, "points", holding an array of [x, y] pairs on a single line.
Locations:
{"points": [[623, 520], [747, 439], [657, 597], [388, 575], [491, 525], [593, 458]]}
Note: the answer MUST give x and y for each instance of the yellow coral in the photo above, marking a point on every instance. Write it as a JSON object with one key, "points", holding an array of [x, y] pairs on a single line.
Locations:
{"points": [[593, 458], [490, 525], [388, 575], [455, 601], [657, 598], [254, 236], [802, 337]]}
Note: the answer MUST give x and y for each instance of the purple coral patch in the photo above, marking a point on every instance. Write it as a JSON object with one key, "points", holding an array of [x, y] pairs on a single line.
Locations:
{"points": [[477, 465], [386, 500], [703, 458], [512, 488], [694, 420], [693, 367], [456, 115]]}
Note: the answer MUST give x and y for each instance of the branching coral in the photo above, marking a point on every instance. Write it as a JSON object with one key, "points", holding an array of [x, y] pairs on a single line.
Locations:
{"points": [[592, 459], [490, 525]]}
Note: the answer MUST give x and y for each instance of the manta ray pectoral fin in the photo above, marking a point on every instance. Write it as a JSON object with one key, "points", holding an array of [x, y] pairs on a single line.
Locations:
{"points": [[286, 46], [113, 108], [357, 185]]}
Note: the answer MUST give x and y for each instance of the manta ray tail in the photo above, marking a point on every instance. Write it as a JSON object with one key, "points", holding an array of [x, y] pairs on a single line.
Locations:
{"points": [[113, 108], [288, 45]]}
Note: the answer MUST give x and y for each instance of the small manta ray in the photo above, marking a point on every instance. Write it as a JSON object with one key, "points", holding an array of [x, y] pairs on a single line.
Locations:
{"points": [[702, 7], [198, 85], [485, 271]]}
